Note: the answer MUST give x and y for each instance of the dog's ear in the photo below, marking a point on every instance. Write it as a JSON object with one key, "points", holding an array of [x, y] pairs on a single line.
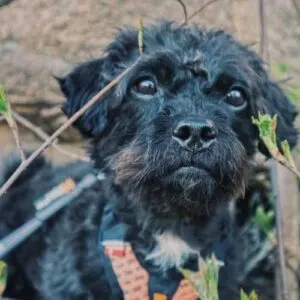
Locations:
{"points": [[79, 86], [276, 102]]}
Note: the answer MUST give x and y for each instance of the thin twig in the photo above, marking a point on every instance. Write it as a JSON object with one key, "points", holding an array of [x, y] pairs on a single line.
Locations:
{"points": [[199, 10], [280, 247], [292, 169], [252, 44], [184, 11], [264, 44], [44, 136], [141, 36], [282, 279], [62, 128], [262, 27], [285, 80], [15, 131]]}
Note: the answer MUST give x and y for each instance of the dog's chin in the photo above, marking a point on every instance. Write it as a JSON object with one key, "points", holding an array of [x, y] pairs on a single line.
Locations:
{"points": [[178, 185], [187, 189], [188, 173], [188, 179]]}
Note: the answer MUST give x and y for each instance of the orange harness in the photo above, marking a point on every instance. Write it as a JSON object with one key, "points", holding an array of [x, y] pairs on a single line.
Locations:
{"points": [[134, 279]]}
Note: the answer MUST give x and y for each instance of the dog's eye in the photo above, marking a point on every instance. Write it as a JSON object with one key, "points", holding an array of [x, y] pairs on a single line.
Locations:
{"points": [[236, 97], [146, 86]]}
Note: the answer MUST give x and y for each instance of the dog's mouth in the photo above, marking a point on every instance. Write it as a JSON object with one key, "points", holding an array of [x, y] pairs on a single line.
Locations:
{"points": [[188, 176], [191, 171], [190, 168], [216, 173]]}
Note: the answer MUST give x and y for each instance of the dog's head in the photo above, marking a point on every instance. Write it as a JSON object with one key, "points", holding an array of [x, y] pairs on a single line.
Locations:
{"points": [[176, 131]]}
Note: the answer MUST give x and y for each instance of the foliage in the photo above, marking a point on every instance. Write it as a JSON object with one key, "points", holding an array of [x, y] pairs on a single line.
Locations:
{"points": [[205, 282], [252, 296], [3, 277], [4, 106], [267, 132], [264, 220]]}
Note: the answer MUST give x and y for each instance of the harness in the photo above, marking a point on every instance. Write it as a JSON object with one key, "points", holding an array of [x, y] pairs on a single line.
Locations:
{"points": [[130, 278]]}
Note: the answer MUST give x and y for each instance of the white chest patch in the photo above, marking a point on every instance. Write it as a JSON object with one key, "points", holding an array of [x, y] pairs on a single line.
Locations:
{"points": [[170, 251]]}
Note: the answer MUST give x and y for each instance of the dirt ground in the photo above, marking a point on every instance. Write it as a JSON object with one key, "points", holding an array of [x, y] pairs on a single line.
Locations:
{"points": [[42, 38], [39, 38]]}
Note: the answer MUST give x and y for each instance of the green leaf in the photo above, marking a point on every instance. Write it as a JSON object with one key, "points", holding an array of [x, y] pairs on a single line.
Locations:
{"points": [[264, 220], [3, 277], [286, 149], [205, 282], [267, 131], [244, 296], [253, 296], [279, 69], [266, 126], [3, 101], [282, 68]]}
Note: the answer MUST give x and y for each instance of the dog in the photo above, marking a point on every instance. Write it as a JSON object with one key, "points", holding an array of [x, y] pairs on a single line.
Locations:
{"points": [[175, 141]]}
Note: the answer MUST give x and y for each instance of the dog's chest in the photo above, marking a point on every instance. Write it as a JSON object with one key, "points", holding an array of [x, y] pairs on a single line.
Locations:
{"points": [[131, 271], [170, 251], [137, 278]]}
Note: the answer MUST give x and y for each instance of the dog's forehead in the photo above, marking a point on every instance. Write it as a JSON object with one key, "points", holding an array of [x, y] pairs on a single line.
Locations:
{"points": [[174, 37], [190, 44], [211, 54]]}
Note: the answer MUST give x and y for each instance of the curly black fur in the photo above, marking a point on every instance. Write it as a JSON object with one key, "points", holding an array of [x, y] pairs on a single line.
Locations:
{"points": [[155, 183]]}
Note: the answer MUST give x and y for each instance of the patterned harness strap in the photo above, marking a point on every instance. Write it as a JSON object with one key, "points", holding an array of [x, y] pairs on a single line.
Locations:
{"points": [[134, 279], [131, 280]]}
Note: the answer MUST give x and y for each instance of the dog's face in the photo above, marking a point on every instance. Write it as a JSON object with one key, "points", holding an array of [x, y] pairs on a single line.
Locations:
{"points": [[176, 131]]}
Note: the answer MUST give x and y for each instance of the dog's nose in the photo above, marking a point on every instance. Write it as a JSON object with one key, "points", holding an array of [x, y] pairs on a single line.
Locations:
{"points": [[195, 135]]}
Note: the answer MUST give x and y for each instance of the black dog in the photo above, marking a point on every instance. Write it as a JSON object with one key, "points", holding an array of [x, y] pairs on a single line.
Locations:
{"points": [[176, 143]]}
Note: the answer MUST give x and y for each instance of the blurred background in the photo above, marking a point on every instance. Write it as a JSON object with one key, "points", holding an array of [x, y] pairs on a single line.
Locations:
{"points": [[43, 38]]}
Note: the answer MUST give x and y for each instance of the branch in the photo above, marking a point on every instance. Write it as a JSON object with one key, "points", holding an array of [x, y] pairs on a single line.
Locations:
{"points": [[252, 44], [15, 131], [264, 49], [285, 80], [54, 136], [262, 27], [198, 11], [280, 241], [185, 21], [267, 133], [141, 36], [44, 136]]}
